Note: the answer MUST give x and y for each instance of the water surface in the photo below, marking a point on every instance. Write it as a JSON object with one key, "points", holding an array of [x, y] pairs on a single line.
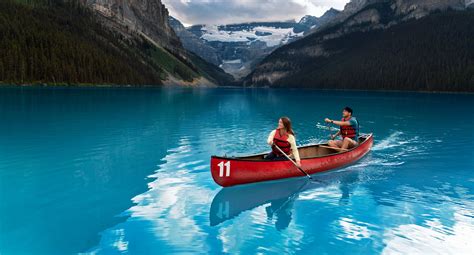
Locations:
{"points": [[111, 171]]}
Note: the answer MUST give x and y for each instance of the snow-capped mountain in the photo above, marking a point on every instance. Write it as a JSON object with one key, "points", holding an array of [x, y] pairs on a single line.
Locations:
{"points": [[272, 34], [238, 47]]}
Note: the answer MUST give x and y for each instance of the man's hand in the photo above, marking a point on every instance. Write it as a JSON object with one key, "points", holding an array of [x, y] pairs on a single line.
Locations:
{"points": [[327, 120], [298, 163], [270, 143]]}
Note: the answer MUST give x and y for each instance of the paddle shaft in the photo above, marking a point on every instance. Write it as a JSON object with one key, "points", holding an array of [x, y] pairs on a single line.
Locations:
{"points": [[329, 128], [294, 163]]}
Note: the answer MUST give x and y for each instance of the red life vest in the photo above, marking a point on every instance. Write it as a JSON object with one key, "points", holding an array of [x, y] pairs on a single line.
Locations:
{"points": [[282, 142], [348, 131]]}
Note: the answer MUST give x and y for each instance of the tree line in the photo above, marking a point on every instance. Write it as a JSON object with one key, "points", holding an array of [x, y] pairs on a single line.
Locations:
{"points": [[53, 41]]}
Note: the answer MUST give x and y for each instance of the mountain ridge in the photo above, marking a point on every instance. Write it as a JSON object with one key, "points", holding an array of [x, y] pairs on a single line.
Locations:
{"points": [[322, 58]]}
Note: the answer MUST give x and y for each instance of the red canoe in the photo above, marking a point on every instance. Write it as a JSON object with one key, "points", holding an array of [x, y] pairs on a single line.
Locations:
{"points": [[314, 159]]}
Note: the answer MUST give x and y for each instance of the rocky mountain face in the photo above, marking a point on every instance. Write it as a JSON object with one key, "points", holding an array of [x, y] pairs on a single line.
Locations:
{"points": [[147, 17], [365, 12], [406, 8], [310, 23], [365, 21], [150, 20], [194, 44], [237, 48], [417, 9]]}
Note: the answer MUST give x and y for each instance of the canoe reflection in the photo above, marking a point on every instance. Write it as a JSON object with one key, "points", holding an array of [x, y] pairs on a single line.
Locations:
{"points": [[279, 195]]}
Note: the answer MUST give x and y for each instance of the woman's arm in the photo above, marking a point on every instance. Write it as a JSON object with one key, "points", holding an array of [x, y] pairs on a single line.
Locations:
{"points": [[294, 149], [270, 137]]}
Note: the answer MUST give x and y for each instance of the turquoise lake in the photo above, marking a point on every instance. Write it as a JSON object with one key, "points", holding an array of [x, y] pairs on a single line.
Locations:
{"points": [[119, 170]]}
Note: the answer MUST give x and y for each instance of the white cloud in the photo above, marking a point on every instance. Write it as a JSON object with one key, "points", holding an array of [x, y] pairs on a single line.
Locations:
{"points": [[237, 11], [319, 7]]}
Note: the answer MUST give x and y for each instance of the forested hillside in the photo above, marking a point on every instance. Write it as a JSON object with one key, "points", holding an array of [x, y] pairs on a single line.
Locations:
{"points": [[434, 53], [58, 42]]}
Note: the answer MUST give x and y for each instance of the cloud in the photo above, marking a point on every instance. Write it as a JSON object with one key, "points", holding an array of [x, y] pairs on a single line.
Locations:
{"points": [[237, 11]]}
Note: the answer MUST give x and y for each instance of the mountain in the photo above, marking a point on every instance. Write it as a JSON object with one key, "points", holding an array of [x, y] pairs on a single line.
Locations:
{"points": [[309, 23], [389, 45], [96, 42], [146, 17], [150, 18], [328, 16], [237, 48], [193, 43]]}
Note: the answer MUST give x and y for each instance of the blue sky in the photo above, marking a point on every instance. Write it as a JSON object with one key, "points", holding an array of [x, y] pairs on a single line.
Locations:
{"points": [[236, 11]]}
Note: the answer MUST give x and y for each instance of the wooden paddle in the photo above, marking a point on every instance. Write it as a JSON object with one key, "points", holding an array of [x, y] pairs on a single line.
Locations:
{"points": [[294, 163]]}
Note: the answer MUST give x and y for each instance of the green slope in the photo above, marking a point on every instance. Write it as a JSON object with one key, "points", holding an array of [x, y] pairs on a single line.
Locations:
{"points": [[212, 72], [435, 53]]}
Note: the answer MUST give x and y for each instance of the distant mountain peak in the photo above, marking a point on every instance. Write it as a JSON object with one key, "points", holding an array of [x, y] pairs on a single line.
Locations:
{"points": [[331, 11], [308, 19]]}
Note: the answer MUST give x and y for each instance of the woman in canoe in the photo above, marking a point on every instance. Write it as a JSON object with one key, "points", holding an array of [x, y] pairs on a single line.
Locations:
{"points": [[284, 138]]}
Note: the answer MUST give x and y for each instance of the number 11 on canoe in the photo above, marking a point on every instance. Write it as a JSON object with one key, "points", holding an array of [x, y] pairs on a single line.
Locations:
{"points": [[221, 169]]}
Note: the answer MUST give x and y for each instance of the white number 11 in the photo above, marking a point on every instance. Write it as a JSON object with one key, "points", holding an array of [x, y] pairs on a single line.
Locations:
{"points": [[221, 169]]}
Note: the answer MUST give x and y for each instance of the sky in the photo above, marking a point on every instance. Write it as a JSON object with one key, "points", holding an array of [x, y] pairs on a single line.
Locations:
{"points": [[191, 12]]}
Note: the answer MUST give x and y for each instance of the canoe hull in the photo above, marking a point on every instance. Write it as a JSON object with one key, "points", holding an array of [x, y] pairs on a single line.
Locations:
{"points": [[234, 171]]}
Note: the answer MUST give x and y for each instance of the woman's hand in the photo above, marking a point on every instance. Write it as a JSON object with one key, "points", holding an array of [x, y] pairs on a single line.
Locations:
{"points": [[270, 143], [298, 163]]}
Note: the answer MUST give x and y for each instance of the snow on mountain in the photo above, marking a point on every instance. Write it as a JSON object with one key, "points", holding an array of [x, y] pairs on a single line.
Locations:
{"points": [[272, 36]]}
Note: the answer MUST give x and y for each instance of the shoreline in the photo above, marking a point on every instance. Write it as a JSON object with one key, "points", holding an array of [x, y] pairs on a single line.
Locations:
{"points": [[159, 86]]}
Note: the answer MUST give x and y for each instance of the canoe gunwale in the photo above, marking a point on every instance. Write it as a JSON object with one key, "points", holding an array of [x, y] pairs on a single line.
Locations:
{"points": [[242, 158]]}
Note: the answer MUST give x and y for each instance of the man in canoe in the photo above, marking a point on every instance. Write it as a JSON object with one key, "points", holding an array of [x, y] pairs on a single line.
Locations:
{"points": [[284, 138], [349, 130]]}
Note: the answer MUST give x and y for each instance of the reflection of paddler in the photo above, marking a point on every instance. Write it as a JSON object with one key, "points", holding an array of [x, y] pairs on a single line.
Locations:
{"points": [[346, 187], [283, 210]]}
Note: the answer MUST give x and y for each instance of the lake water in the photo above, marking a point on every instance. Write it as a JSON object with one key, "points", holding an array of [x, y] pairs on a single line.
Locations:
{"points": [[111, 171]]}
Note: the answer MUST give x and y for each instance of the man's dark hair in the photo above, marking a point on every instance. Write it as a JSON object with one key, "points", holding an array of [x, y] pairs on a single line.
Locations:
{"points": [[348, 109]]}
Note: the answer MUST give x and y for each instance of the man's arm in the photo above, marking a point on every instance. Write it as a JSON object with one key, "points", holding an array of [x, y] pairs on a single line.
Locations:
{"points": [[339, 123]]}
